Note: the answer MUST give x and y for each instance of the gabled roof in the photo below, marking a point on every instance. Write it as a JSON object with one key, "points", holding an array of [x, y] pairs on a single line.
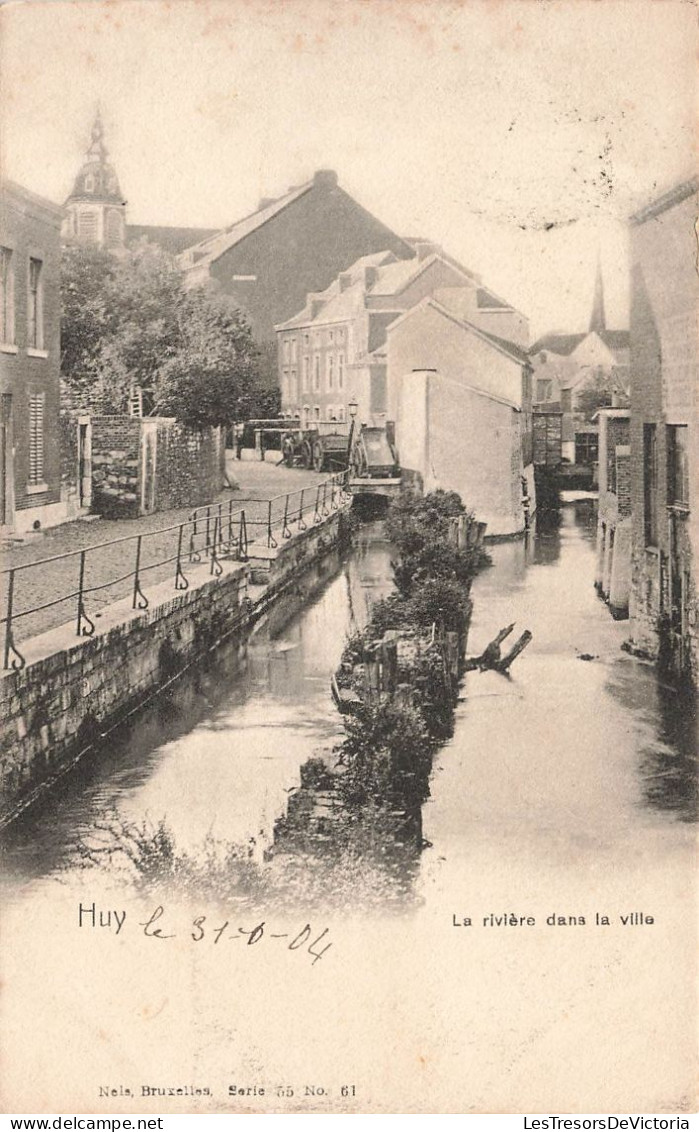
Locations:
{"points": [[172, 240], [565, 344], [338, 303], [562, 344], [393, 276], [209, 249], [513, 352]]}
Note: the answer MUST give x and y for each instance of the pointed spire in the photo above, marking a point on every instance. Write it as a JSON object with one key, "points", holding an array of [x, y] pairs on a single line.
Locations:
{"points": [[97, 150], [598, 319]]}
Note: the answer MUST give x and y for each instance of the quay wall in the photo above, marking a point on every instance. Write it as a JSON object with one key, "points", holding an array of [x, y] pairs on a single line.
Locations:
{"points": [[73, 691]]}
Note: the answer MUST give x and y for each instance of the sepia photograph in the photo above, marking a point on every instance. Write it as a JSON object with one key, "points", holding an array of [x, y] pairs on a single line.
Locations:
{"points": [[349, 599]]}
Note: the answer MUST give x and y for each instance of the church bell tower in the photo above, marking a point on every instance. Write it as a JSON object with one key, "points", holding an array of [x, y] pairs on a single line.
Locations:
{"points": [[96, 209]]}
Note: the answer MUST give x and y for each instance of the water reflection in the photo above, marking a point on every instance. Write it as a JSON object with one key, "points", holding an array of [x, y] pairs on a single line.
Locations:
{"points": [[568, 752]]}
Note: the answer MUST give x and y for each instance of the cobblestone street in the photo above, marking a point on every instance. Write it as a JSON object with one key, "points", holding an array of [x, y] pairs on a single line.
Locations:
{"points": [[109, 569]]}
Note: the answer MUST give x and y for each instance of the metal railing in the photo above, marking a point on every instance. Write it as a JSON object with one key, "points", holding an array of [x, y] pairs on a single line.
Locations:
{"points": [[216, 532]]}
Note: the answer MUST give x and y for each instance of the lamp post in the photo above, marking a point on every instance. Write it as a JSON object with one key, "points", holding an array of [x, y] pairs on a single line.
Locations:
{"points": [[352, 409]]}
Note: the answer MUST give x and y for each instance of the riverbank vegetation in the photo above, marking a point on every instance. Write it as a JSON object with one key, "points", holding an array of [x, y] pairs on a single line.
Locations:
{"points": [[352, 833]]}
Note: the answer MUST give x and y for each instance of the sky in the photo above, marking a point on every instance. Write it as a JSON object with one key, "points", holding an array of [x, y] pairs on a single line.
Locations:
{"points": [[519, 134]]}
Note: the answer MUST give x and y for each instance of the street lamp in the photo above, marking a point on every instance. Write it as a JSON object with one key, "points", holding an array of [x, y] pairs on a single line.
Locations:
{"points": [[352, 409]]}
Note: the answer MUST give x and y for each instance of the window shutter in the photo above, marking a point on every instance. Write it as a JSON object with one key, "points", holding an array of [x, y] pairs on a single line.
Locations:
{"points": [[36, 438]]}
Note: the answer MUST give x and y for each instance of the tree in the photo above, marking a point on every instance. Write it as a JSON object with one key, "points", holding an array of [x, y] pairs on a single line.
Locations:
{"points": [[210, 378], [129, 321], [86, 317], [606, 387]]}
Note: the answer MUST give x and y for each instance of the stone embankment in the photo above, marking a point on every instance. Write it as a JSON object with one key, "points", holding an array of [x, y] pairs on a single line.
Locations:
{"points": [[72, 691]]}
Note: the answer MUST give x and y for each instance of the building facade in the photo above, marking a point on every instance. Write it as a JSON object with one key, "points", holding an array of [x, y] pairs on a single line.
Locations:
{"points": [[30, 489], [461, 401], [577, 374], [664, 607], [299, 243], [613, 573], [334, 351]]}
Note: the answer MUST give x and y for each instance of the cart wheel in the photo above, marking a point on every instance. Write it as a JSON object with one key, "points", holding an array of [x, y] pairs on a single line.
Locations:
{"points": [[318, 456], [306, 455], [358, 466]]}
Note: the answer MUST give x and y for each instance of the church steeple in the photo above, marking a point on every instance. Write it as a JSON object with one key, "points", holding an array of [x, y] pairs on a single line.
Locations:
{"points": [[95, 209], [97, 151], [598, 321]]}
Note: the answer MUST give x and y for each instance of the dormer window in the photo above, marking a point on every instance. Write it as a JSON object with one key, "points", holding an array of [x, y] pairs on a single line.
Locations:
{"points": [[89, 183]]}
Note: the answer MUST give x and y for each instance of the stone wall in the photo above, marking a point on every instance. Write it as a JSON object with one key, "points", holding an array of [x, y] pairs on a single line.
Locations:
{"points": [[116, 442], [73, 690], [182, 467]]}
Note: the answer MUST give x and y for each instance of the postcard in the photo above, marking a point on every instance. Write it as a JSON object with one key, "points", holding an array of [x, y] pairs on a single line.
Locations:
{"points": [[349, 582]]}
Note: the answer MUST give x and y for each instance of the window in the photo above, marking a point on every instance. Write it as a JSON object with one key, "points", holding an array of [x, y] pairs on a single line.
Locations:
{"points": [[331, 336], [285, 348], [650, 484], [341, 413], [293, 386], [89, 183], [285, 385], [292, 349], [306, 374], [7, 297], [586, 448], [543, 389], [35, 330], [340, 371], [316, 412], [566, 400], [316, 374], [331, 371], [36, 438], [677, 466], [306, 340]]}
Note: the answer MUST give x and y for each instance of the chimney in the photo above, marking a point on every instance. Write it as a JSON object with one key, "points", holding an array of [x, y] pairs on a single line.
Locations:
{"points": [[316, 306], [371, 274], [345, 280], [425, 248], [325, 178]]}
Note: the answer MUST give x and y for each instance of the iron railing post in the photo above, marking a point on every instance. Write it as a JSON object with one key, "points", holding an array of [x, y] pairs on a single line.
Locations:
{"points": [[216, 567], [181, 582], [18, 660], [140, 601], [85, 627]]}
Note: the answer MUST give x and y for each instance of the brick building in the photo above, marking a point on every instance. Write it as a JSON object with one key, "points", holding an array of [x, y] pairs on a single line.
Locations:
{"points": [[613, 573], [30, 485], [290, 246], [664, 607]]}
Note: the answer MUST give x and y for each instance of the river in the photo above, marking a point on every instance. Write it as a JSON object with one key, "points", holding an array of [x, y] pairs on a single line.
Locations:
{"points": [[567, 792]]}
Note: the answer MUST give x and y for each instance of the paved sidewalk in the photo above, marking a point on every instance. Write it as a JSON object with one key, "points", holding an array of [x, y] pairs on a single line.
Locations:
{"points": [[110, 567]]}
